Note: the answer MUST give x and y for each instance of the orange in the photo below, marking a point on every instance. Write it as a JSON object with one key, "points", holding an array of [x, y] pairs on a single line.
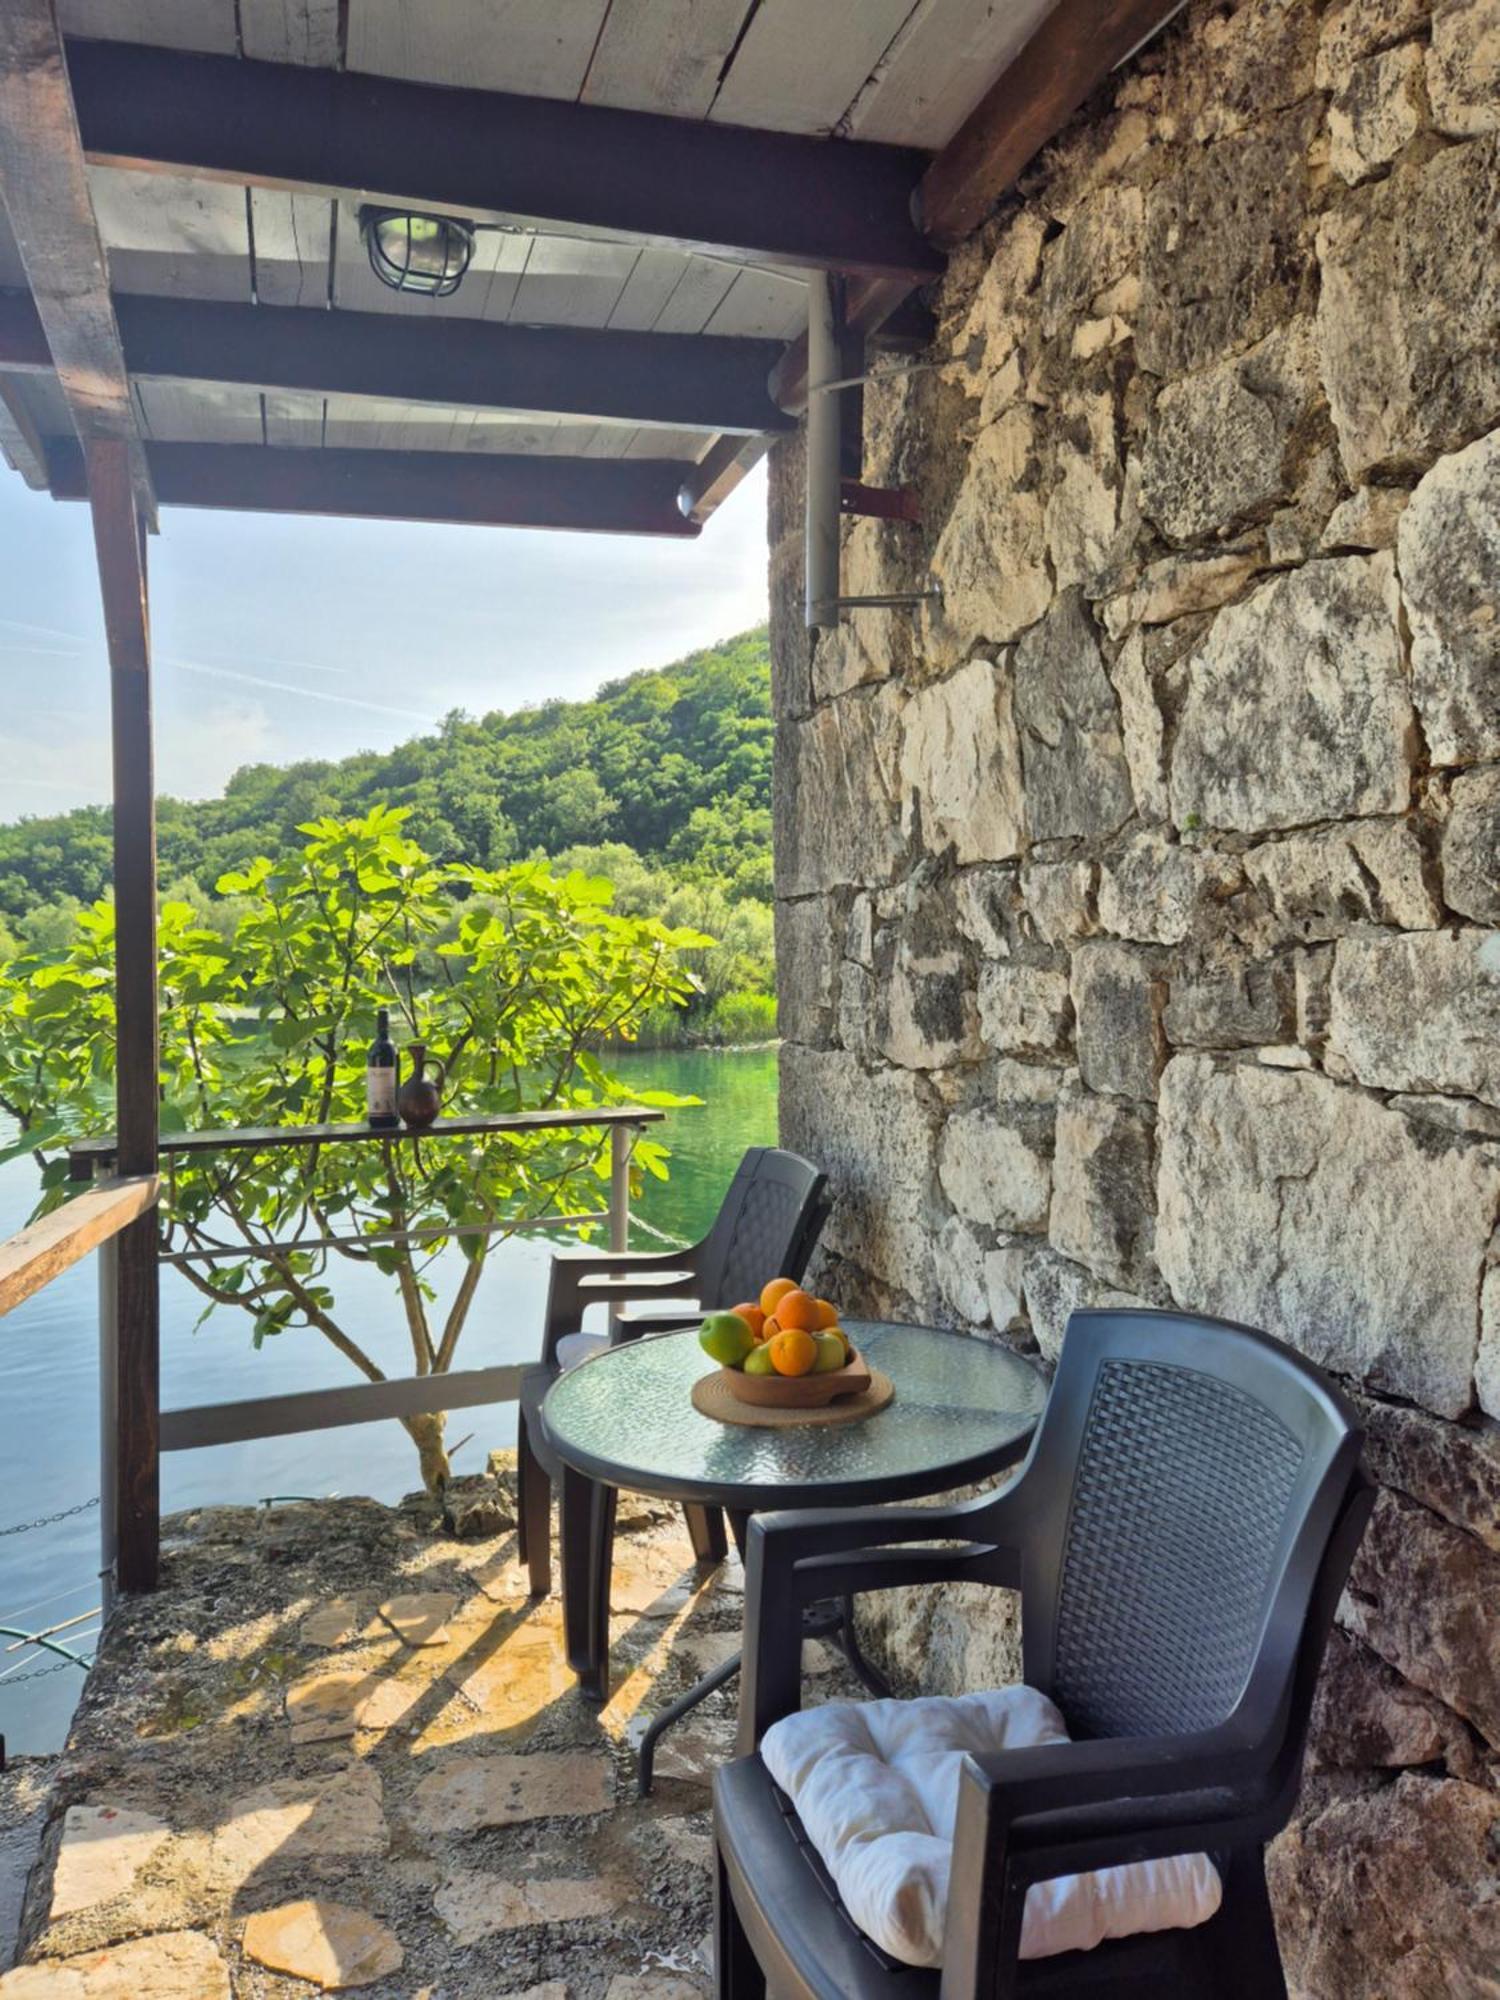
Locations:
{"points": [[793, 1351], [753, 1317], [828, 1316], [772, 1294], [799, 1309]]}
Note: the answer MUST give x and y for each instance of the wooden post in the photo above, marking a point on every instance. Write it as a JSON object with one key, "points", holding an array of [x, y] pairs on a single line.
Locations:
{"points": [[131, 1293]]}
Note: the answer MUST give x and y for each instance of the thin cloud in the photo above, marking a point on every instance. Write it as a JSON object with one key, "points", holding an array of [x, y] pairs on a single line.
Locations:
{"points": [[307, 694], [257, 660], [40, 631]]}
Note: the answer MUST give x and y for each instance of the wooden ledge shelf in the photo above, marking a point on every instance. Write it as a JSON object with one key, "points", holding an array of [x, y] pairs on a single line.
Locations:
{"points": [[89, 1154], [46, 1248]]}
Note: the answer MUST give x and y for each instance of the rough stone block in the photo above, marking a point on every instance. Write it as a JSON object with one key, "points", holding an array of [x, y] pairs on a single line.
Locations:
{"points": [[1389, 1895], [1024, 1009], [1407, 311], [960, 1270], [996, 1167], [986, 906], [1076, 779], [1471, 846], [1142, 728], [1099, 246], [807, 963], [1220, 271], [874, 1133], [1260, 58], [1055, 1288], [1297, 706], [1083, 507], [1426, 1597], [1357, 28], [1160, 891], [961, 765], [1103, 1188], [1487, 1366], [1118, 997], [991, 557], [1224, 445], [1420, 1011], [838, 794], [1059, 898], [1230, 1003], [1296, 1204], [1320, 885], [1452, 1469], [1365, 1715], [1377, 112], [1368, 519], [1463, 66], [1448, 547], [1179, 587], [1004, 1279]]}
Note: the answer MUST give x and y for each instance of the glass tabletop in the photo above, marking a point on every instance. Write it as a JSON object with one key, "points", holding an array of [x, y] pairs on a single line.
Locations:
{"points": [[964, 1407]]}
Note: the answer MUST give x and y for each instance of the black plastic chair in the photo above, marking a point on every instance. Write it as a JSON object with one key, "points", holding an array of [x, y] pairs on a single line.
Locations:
{"points": [[1180, 1534], [767, 1226]]}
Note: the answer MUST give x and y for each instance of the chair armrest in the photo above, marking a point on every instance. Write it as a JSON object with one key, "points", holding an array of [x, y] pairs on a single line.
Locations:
{"points": [[635, 1284], [1026, 1816], [586, 1258], [632, 1325], [794, 1559]]}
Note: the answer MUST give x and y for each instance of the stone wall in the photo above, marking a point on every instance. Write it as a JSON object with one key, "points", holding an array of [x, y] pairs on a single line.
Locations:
{"points": [[1139, 904]]}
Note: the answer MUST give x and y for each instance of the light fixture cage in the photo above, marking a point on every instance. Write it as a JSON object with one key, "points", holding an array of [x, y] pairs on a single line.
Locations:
{"points": [[412, 252]]}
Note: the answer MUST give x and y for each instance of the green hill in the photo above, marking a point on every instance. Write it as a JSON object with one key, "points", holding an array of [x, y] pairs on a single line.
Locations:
{"points": [[662, 781]]}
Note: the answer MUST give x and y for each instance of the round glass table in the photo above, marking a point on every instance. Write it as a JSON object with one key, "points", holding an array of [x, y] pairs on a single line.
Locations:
{"points": [[964, 1408]]}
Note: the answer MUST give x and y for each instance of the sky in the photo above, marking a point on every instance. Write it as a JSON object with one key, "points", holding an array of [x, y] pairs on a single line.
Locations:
{"points": [[278, 637]]}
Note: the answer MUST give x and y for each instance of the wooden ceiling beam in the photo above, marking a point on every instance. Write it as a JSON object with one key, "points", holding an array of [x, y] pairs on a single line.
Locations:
{"points": [[771, 197], [636, 496], [45, 189], [1068, 57], [684, 381]]}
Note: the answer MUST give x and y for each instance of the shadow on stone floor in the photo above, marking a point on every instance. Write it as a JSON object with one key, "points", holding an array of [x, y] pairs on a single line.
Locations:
{"points": [[339, 1750]]}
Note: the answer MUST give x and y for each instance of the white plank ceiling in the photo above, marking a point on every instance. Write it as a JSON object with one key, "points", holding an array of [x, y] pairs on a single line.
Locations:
{"points": [[898, 71]]}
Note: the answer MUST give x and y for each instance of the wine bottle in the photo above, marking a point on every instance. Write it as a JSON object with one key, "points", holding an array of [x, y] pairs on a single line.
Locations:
{"points": [[380, 1074]]}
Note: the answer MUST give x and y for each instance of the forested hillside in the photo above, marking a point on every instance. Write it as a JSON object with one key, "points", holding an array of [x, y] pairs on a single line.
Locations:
{"points": [[663, 782]]}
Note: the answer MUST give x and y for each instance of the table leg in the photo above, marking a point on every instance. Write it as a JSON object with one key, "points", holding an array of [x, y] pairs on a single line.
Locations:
{"points": [[588, 1532]]}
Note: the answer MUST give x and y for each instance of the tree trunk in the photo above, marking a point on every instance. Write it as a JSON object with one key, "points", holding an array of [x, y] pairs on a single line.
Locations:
{"points": [[426, 1432]]}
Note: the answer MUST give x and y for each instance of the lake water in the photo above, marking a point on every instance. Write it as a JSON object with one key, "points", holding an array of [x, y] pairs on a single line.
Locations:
{"points": [[49, 1445]]}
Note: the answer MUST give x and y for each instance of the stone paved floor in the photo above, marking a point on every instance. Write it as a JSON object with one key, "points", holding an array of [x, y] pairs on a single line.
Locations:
{"points": [[340, 1750]]}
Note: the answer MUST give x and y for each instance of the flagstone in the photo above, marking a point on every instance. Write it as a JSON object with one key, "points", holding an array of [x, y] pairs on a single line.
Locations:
{"points": [[292, 1819], [335, 1623], [328, 1944], [173, 1965], [420, 1617], [104, 1848], [474, 1905], [475, 1792]]}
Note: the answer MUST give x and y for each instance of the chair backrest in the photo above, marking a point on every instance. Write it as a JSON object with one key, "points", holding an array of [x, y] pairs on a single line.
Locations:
{"points": [[766, 1228], [1188, 1478]]}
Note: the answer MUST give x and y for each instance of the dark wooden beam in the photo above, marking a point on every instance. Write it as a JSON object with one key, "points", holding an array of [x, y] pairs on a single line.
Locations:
{"points": [[625, 496], [773, 196], [1068, 57], [20, 439], [711, 481], [130, 1290], [686, 381], [45, 189]]}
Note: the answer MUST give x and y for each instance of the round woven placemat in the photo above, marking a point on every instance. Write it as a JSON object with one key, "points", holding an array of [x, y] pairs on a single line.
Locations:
{"points": [[713, 1397]]}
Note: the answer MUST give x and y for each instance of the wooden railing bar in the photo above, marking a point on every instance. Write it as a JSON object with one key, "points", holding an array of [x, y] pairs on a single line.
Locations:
{"points": [[46, 1248], [230, 1253], [319, 1409], [272, 1138]]}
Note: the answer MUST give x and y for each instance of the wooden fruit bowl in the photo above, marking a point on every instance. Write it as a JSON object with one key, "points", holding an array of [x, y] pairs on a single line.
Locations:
{"points": [[800, 1392]]}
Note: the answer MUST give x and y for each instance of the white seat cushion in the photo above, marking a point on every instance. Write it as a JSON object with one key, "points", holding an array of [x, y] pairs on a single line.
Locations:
{"points": [[575, 1347], [875, 1784]]}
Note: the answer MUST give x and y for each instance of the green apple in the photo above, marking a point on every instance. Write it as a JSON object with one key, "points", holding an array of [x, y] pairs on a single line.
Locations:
{"points": [[758, 1361], [831, 1353], [727, 1338]]}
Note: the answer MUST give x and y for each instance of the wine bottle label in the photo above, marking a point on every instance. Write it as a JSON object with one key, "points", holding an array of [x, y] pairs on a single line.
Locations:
{"points": [[380, 1091]]}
